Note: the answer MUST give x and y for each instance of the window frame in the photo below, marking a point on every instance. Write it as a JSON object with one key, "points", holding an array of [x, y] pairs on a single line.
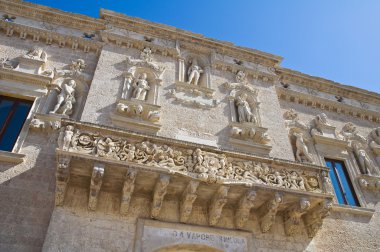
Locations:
{"points": [[342, 188], [10, 116]]}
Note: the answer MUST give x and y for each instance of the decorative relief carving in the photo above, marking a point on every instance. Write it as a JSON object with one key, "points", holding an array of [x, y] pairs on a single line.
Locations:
{"points": [[188, 198], [374, 142], [128, 188], [205, 166], [314, 218], [245, 205], [96, 183], [159, 194], [268, 211], [65, 99], [366, 165], [216, 205], [368, 182], [292, 217], [146, 60]]}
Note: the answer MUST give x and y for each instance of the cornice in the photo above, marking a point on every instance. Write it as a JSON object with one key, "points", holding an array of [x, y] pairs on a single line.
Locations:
{"points": [[172, 33], [51, 15], [325, 104], [50, 37], [289, 76]]}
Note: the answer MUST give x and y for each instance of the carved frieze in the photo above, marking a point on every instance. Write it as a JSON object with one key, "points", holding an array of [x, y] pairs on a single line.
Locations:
{"points": [[203, 165]]}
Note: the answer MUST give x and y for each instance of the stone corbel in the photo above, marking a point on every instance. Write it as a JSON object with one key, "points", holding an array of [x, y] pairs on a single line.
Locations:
{"points": [[128, 188], [368, 182], [292, 216], [314, 218], [96, 183], [188, 198], [245, 205], [217, 204], [62, 177], [268, 211], [159, 194], [46, 122], [137, 115]]}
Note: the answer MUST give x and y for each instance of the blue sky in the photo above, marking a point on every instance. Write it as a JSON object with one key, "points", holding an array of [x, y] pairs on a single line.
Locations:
{"points": [[334, 39]]}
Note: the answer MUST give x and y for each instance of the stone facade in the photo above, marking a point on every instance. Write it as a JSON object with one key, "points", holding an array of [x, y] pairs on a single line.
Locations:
{"points": [[143, 137]]}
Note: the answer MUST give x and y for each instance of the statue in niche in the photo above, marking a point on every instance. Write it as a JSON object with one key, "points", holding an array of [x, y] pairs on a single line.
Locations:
{"points": [[365, 163], [141, 87], [302, 151], [244, 111], [36, 54], [194, 72], [66, 96]]}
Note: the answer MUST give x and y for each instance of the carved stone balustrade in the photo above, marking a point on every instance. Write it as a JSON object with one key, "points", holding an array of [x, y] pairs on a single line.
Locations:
{"points": [[211, 186]]}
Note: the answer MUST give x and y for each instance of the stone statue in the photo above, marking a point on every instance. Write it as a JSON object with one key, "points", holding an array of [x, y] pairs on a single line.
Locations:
{"points": [[326, 183], [66, 96], [141, 87], [68, 135], [36, 54], [244, 111], [194, 72], [375, 139], [317, 124], [75, 69], [302, 150], [365, 163]]}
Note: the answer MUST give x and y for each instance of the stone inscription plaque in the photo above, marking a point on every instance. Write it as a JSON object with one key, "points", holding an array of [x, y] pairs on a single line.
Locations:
{"points": [[156, 235]]}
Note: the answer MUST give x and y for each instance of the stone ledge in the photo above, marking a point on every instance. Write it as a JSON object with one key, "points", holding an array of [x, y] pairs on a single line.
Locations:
{"points": [[11, 157], [359, 211]]}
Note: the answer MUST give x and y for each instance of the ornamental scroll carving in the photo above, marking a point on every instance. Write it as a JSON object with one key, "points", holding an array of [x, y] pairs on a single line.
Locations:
{"points": [[203, 165]]}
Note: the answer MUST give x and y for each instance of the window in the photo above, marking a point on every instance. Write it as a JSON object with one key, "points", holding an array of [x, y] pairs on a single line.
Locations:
{"points": [[13, 113], [341, 182]]}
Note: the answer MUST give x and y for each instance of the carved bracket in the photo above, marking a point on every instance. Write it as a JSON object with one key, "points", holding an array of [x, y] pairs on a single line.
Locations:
{"points": [[159, 194], [292, 217], [96, 183], [268, 211], [244, 208], [314, 218], [188, 198], [62, 178], [128, 188], [217, 204]]}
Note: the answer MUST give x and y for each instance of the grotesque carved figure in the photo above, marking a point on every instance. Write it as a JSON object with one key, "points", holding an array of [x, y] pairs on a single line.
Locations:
{"points": [[375, 138], [66, 96], [317, 124], [244, 110], [36, 53], [365, 163], [241, 77], [349, 132], [302, 152], [194, 72], [141, 87]]}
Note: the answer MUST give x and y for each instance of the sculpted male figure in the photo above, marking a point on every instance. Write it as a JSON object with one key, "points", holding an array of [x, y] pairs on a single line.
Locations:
{"points": [[302, 149], [194, 72], [66, 95]]}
